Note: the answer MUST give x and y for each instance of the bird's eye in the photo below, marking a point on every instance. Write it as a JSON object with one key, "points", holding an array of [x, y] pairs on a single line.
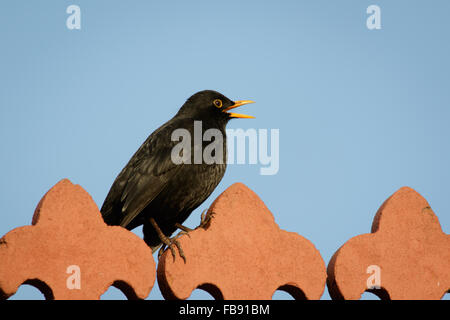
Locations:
{"points": [[218, 103]]}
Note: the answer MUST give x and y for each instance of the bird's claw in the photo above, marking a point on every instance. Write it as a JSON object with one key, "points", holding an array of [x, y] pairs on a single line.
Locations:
{"points": [[169, 244], [205, 218]]}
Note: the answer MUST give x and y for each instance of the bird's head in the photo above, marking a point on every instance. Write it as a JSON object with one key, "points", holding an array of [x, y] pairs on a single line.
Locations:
{"points": [[209, 104]]}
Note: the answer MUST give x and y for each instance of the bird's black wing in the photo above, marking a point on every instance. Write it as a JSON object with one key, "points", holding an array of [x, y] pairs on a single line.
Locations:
{"points": [[142, 179]]}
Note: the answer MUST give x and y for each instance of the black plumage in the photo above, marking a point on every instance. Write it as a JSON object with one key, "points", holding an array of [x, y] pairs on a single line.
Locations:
{"points": [[152, 186]]}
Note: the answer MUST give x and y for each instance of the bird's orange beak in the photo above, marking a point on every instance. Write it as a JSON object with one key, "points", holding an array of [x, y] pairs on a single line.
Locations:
{"points": [[238, 104]]}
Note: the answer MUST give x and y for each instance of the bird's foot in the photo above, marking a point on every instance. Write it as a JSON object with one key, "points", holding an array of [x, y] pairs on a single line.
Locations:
{"points": [[205, 219], [167, 242], [170, 243]]}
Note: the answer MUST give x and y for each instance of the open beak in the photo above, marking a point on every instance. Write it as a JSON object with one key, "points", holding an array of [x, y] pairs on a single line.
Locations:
{"points": [[238, 104]]}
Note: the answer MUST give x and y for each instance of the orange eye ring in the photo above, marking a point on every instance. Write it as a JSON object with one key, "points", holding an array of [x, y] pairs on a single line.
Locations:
{"points": [[218, 103]]}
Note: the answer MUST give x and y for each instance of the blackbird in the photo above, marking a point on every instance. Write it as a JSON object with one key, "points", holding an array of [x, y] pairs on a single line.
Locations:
{"points": [[159, 193]]}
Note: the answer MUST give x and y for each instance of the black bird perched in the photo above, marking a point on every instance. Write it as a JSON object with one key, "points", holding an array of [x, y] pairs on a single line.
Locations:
{"points": [[159, 193]]}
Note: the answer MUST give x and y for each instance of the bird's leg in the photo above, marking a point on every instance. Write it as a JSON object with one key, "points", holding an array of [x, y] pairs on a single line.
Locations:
{"points": [[167, 242], [205, 218], [183, 228]]}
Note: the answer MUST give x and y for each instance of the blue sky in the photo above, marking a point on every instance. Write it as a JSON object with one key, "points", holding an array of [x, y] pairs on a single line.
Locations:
{"points": [[361, 112]]}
